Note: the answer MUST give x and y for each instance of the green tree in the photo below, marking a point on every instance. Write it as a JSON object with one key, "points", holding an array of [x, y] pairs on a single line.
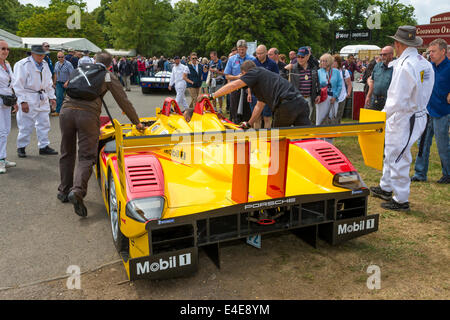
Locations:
{"points": [[52, 22], [140, 24], [27, 11], [393, 15], [278, 23], [8, 15], [184, 29], [100, 16], [353, 14]]}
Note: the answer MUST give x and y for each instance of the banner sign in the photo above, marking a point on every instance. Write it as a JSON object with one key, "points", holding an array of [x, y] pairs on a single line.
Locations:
{"points": [[357, 35]]}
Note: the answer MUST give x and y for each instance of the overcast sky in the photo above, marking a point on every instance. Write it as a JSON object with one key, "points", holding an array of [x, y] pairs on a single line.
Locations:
{"points": [[424, 9]]}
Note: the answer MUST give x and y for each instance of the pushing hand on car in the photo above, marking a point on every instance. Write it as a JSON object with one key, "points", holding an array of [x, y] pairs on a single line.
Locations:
{"points": [[245, 125], [140, 127], [208, 96]]}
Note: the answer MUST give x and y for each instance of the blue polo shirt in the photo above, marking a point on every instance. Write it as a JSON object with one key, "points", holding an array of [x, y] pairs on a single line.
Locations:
{"points": [[234, 64], [269, 64], [438, 106], [381, 76]]}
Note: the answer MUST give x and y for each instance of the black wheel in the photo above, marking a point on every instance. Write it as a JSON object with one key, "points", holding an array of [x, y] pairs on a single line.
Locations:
{"points": [[120, 241], [146, 90]]}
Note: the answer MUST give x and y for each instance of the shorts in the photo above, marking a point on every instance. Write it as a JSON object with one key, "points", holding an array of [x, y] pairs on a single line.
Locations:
{"points": [[292, 113], [267, 112]]}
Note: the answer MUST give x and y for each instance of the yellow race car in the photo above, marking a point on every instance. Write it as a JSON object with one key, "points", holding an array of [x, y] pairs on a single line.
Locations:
{"points": [[184, 185]]}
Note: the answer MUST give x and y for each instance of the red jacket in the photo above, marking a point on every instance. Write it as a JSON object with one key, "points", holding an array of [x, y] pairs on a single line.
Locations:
{"points": [[141, 65]]}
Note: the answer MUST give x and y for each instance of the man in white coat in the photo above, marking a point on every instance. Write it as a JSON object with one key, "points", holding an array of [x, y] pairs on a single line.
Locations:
{"points": [[179, 79], [406, 117], [33, 86]]}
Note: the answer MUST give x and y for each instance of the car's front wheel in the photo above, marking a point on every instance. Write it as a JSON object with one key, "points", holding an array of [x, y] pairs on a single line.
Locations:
{"points": [[120, 241], [146, 90]]}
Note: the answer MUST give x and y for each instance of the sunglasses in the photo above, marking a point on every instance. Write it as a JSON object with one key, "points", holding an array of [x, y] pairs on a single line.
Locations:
{"points": [[301, 57], [194, 58], [60, 57], [384, 54], [5, 49]]}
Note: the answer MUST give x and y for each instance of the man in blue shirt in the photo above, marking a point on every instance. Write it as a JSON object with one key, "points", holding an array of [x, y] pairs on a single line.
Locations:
{"points": [[380, 80], [63, 69], [439, 116], [262, 60], [233, 72]]}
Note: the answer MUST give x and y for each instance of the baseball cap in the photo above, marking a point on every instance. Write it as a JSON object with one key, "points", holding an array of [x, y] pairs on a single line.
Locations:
{"points": [[176, 57], [303, 51]]}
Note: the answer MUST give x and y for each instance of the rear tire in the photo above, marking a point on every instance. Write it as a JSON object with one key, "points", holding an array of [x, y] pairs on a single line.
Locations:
{"points": [[146, 90], [120, 241]]}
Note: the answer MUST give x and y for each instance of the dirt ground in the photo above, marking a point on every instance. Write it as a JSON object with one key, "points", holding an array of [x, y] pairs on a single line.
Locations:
{"points": [[411, 251]]}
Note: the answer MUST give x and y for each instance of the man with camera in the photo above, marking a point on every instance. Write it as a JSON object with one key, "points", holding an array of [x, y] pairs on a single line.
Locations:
{"points": [[7, 100]]}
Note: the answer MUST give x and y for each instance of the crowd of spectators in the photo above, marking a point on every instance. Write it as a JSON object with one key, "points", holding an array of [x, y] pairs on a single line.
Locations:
{"points": [[325, 82]]}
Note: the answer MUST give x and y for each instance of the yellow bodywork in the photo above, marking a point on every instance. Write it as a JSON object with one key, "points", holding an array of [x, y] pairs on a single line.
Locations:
{"points": [[197, 161]]}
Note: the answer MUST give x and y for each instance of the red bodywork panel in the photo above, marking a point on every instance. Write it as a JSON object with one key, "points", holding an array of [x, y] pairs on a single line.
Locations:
{"points": [[144, 174], [145, 177], [327, 154]]}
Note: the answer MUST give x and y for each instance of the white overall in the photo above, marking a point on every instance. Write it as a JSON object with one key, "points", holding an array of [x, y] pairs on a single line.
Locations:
{"points": [[176, 79], [35, 88], [407, 99]]}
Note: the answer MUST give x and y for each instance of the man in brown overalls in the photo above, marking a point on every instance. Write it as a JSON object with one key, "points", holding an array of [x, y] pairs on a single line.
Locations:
{"points": [[82, 118]]}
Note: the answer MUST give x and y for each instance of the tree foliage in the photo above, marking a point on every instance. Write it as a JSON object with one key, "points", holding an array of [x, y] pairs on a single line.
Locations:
{"points": [[140, 24], [155, 27], [12, 12], [52, 23]]}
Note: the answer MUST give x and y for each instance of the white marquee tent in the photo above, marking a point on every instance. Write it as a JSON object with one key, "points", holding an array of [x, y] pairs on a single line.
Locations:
{"points": [[121, 53], [12, 40], [80, 44], [354, 49]]}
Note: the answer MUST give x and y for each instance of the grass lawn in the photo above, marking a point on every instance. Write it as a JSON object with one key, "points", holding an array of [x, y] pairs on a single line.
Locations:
{"points": [[412, 249]]}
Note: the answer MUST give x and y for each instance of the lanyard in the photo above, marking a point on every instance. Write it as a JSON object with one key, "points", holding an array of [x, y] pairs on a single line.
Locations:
{"points": [[330, 75]]}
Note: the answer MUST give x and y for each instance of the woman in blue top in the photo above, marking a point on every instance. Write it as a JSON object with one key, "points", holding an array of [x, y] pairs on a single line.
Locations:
{"points": [[331, 78]]}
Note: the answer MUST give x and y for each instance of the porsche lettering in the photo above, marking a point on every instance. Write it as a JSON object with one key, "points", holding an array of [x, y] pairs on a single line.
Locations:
{"points": [[260, 205]]}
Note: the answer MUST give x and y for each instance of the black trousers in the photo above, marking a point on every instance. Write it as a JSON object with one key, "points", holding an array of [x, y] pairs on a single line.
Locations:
{"points": [[234, 105], [292, 113]]}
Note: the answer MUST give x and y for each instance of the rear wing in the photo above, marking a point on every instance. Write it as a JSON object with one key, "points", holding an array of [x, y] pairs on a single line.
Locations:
{"points": [[370, 132]]}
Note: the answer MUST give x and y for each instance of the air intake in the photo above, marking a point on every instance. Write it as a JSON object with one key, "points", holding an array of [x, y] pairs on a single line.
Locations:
{"points": [[142, 176], [329, 155]]}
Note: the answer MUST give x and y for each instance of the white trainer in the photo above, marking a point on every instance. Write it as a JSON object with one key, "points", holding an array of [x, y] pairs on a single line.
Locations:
{"points": [[9, 164], [2, 166]]}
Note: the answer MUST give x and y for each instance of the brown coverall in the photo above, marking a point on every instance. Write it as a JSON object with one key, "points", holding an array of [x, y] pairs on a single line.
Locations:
{"points": [[82, 118]]}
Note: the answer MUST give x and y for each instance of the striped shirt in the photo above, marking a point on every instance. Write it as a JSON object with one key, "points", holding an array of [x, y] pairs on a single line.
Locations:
{"points": [[63, 71], [305, 83]]}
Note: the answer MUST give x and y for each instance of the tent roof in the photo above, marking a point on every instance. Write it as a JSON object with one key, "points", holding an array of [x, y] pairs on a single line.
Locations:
{"points": [[354, 49], [80, 44], [12, 40], [123, 53]]}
